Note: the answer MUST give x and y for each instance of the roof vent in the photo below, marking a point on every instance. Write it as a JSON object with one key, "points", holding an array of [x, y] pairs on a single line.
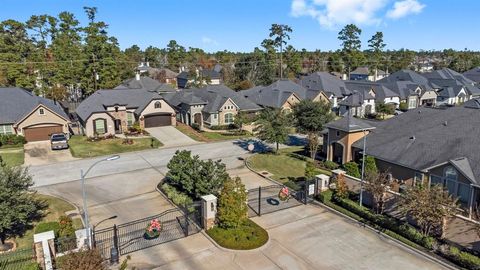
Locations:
{"points": [[445, 123], [419, 111], [412, 138]]}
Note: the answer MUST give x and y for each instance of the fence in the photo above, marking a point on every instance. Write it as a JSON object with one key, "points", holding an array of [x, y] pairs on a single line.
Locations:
{"points": [[130, 237], [18, 259]]}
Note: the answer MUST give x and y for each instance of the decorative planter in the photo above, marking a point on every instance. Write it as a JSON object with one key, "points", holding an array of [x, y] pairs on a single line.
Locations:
{"points": [[153, 230], [284, 194]]}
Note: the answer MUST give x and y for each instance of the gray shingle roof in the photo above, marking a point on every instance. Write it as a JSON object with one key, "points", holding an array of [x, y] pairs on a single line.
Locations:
{"points": [[381, 91], [213, 97], [366, 71], [349, 124], [403, 88], [473, 74], [323, 81], [136, 99], [425, 137], [210, 73], [409, 76], [16, 103], [276, 94], [145, 83]]}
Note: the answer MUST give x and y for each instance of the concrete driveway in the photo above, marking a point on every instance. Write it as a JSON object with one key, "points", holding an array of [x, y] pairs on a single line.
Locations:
{"points": [[303, 237], [40, 153], [170, 136]]}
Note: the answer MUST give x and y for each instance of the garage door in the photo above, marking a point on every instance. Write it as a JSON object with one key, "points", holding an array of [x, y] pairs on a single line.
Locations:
{"points": [[158, 120], [40, 133]]}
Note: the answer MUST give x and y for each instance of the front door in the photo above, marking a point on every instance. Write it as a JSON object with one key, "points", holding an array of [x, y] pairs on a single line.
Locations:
{"points": [[118, 126]]}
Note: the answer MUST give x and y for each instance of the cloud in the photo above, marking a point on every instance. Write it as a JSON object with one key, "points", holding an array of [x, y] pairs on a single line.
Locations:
{"points": [[209, 41], [405, 7], [333, 13]]}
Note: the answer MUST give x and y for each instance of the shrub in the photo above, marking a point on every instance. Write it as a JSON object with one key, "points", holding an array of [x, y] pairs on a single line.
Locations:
{"points": [[463, 258], [352, 169], [66, 227], [403, 106], [330, 165], [232, 209], [223, 127], [82, 260], [247, 236], [12, 139], [48, 226], [292, 185], [177, 197], [195, 126], [370, 165]]}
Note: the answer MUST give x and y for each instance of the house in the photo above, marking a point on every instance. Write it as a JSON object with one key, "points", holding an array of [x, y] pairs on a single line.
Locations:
{"points": [[145, 83], [447, 78], [364, 74], [358, 104], [333, 87], [113, 111], [380, 92], [206, 76], [473, 74], [35, 118], [413, 88], [282, 94], [427, 145], [214, 105]]}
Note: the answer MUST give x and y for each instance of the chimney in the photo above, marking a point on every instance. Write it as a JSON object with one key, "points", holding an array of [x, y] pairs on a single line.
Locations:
{"points": [[137, 76]]}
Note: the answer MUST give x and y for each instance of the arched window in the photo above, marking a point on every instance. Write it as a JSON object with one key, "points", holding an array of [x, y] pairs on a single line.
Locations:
{"points": [[158, 105], [450, 173], [228, 118]]}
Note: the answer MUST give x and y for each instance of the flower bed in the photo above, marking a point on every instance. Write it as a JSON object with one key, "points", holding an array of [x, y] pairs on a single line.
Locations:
{"points": [[248, 236], [400, 230]]}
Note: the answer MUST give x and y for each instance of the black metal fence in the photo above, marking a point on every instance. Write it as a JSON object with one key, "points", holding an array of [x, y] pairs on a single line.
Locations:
{"points": [[18, 259], [130, 237], [263, 200]]}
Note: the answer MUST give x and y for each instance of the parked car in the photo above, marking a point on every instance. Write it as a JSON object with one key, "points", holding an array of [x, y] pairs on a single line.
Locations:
{"points": [[58, 141], [398, 112]]}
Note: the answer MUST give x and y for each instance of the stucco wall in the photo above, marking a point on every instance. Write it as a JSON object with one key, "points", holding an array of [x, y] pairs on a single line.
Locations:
{"points": [[151, 108], [89, 131], [48, 119]]}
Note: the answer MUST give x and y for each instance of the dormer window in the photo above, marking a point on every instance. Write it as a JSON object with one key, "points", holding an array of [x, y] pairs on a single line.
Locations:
{"points": [[158, 105], [41, 111]]}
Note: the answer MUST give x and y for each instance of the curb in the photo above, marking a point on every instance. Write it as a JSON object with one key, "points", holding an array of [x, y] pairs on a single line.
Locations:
{"points": [[259, 174], [402, 245]]}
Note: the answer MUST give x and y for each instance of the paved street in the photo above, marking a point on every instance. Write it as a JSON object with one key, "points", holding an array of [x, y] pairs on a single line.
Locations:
{"points": [[62, 172], [170, 136], [303, 237]]}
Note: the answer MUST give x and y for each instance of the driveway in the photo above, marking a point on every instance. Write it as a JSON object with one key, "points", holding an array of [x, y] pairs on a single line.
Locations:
{"points": [[40, 153], [170, 136], [304, 237]]}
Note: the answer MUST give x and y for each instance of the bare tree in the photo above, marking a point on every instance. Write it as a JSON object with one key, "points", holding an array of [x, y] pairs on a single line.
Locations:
{"points": [[430, 207], [377, 184]]}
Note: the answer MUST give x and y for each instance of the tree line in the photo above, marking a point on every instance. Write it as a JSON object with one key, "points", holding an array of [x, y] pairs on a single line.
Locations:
{"points": [[57, 56]]}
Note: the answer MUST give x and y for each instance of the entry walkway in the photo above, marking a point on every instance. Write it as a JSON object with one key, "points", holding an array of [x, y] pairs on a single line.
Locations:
{"points": [[170, 136]]}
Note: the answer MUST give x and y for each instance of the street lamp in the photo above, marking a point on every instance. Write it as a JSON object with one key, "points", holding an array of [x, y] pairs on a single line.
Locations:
{"points": [[363, 166], [84, 195]]}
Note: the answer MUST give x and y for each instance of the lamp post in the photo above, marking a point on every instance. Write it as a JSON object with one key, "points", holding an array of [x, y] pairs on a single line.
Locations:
{"points": [[363, 166], [84, 195]]}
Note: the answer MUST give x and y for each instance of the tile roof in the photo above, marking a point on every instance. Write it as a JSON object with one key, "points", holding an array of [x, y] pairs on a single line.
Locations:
{"points": [[16, 103], [425, 137]]}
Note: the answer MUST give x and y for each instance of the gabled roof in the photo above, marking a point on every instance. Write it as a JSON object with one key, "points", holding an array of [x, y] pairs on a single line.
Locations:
{"points": [[450, 91], [403, 88], [473, 74], [350, 124], [409, 76], [446, 73], [380, 90], [365, 71], [136, 99], [145, 83], [323, 81], [210, 73], [425, 137], [16, 103], [472, 103], [276, 94], [213, 97]]}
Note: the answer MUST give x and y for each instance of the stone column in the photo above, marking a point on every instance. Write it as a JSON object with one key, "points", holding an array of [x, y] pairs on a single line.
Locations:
{"points": [[323, 182], [209, 206], [44, 249]]}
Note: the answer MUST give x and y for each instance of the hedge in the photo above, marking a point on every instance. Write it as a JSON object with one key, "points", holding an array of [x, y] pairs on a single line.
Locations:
{"points": [[12, 139], [399, 230], [176, 196], [247, 236], [351, 168]]}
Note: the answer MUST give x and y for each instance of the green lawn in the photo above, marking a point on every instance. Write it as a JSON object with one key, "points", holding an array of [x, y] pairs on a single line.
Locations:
{"points": [[12, 156], [56, 208], [281, 165], [190, 132], [247, 236], [82, 148], [202, 136]]}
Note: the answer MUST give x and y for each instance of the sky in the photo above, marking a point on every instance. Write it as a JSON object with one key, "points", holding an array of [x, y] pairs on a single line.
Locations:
{"points": [[241, 25]]}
